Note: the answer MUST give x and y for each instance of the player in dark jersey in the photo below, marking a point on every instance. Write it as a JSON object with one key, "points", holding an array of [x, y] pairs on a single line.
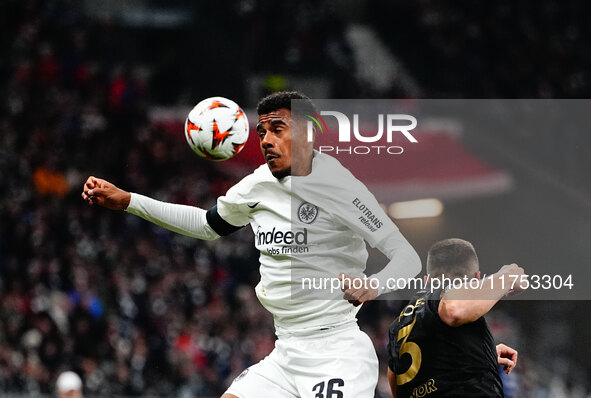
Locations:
{"points": [[440, 344]]}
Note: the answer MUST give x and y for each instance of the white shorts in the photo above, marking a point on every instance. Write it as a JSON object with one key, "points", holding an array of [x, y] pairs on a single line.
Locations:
{"points": [[334, 363]]}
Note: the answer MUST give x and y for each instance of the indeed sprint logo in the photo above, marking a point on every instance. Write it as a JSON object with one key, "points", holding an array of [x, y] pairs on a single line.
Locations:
{"points": [[282, 242], [394, 124]]}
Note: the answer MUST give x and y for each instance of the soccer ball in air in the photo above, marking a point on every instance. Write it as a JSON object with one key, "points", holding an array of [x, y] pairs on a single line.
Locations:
{"points": [[216, 128]]}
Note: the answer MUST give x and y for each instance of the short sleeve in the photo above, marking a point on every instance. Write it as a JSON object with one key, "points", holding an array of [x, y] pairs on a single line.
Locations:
{"points": [[232, 208], [231, 211]]}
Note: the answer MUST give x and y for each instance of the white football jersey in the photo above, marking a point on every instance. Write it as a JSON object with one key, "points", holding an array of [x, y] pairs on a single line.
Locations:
{"points": [[313, 226]]}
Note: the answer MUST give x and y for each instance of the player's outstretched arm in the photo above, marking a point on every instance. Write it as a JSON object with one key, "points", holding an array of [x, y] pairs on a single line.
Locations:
{"points": [[186, 220], [465, 304], [103, 193], [506, 357]]}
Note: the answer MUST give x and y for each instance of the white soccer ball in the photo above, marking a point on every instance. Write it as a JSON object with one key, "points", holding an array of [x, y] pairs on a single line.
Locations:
{"points": [[216, 128]]}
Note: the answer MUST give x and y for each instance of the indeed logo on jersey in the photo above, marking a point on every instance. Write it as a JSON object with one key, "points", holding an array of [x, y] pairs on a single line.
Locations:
{"points": [[278, 237], [287, 242]]}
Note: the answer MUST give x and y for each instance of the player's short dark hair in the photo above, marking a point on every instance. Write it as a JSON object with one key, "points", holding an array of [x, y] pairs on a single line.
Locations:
{"points": [[282, 100], [454, 257]]}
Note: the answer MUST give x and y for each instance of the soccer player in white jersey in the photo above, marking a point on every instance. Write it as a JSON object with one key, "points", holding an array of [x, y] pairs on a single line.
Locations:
{"points": [[320, 351]]}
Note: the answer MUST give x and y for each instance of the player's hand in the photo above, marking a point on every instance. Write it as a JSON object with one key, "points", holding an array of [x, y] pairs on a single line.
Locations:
{"points": [[357, 290], [103, 193], [513, 271], [506, 357]]}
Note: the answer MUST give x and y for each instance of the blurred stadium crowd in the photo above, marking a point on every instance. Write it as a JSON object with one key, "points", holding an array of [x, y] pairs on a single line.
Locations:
{"points": [[137, 310], [133, 309]]}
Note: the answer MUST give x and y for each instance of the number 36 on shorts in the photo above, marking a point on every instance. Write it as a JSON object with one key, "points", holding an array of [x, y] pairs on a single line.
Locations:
{"points": [[332, 389]]}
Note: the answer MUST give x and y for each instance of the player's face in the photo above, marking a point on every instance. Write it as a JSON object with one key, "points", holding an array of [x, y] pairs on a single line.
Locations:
{"points": [[274, 132]]}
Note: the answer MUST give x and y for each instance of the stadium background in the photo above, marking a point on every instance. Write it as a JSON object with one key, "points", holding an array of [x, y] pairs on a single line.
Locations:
{"points": [[98, 87]]}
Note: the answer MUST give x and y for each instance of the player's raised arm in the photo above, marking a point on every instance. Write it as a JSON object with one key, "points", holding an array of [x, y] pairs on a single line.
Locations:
{"points": [[186, 220], [351, 202], [467, 303]]}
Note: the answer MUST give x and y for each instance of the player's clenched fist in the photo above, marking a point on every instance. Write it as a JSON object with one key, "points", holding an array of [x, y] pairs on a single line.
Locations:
{"points": [[506, 357], [356, 290], [103, 193], [511, 269], [517, 276]]}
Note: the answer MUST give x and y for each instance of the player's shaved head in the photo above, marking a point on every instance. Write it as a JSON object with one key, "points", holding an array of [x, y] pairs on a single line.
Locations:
{"points": [[453, 257]]}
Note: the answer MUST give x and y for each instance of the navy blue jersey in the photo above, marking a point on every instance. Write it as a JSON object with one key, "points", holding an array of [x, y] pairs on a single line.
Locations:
{"points": [[432, 359]]}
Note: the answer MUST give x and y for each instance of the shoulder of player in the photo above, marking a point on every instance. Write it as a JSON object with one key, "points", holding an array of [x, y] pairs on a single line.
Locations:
{"points": [[326, 164], [330, 177], [259, 175], [251, 189], [242, 198]]}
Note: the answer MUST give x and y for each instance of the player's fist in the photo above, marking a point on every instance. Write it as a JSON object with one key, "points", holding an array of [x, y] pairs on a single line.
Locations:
{"points": [[506, 357], [357, 290], [517, 277], [103, 193], [511, 269]]}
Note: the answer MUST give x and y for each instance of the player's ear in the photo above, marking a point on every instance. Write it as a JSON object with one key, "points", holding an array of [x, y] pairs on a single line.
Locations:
{"points": [[477, 275], [302, 129], [425, 279]]}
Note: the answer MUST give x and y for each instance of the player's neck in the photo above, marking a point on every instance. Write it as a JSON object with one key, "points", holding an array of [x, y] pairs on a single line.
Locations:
{"points": [[303, 167]]}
